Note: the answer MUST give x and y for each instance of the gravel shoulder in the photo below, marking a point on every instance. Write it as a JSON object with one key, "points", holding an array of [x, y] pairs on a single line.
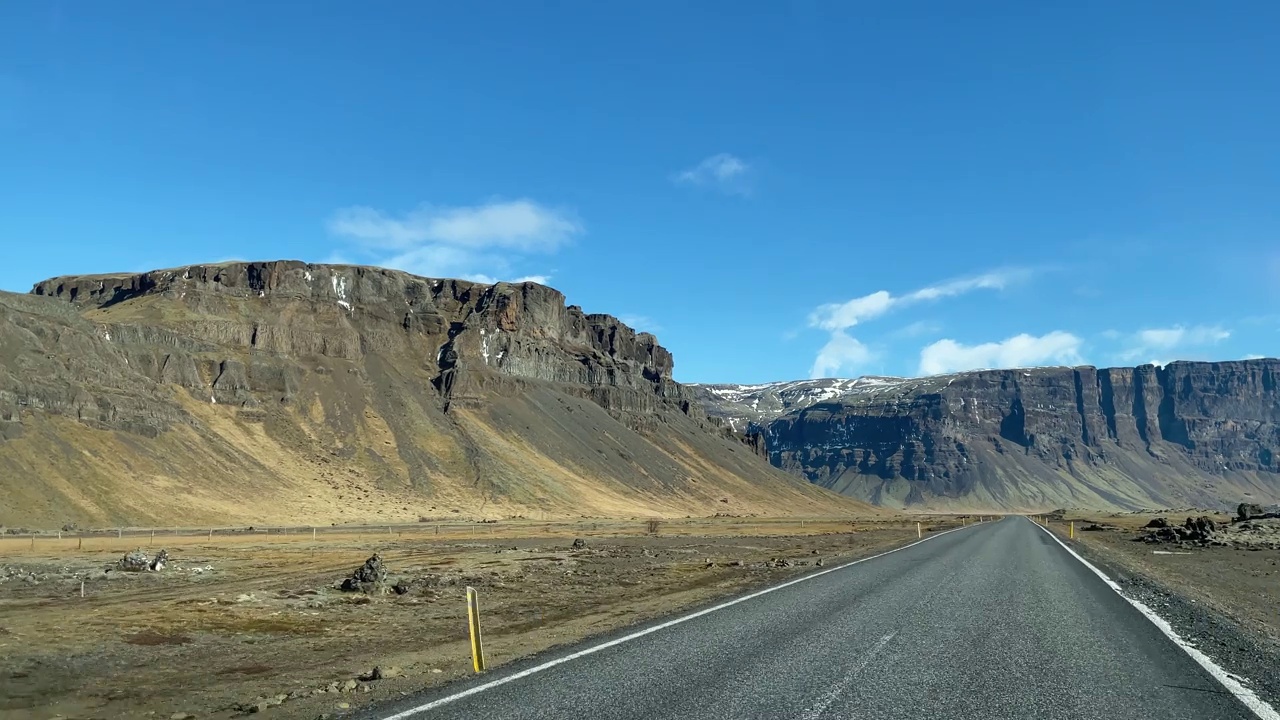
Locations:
{"points": [[1224, 600]]}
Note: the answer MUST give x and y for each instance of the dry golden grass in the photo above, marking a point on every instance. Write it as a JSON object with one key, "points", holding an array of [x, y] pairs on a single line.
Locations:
{"points": [[265, 619]]}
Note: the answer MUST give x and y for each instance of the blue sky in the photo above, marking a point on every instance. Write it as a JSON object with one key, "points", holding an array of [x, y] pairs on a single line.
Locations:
{"points": [[775, 189]]}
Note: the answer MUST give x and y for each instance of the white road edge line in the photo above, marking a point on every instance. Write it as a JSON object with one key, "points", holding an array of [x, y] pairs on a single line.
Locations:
{"points": [[1246, 696], [641, 633]]}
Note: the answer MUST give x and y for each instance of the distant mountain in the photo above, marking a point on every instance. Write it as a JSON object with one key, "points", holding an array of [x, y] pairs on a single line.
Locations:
{"points": [[284, 392], [1204, 434], [741, 405]]}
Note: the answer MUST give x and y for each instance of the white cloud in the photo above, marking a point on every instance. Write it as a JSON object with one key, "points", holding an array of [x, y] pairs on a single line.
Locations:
{"points": [[1253, 357], [842, 316], [834, 317], [842, 353], [1022, 350], [994, 280], [518, 225], [724, 172], [1144, 342], [539, 279], [477, 242]]}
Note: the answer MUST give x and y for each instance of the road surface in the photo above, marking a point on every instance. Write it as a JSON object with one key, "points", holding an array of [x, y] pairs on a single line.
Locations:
{"points": [[991, 621]]}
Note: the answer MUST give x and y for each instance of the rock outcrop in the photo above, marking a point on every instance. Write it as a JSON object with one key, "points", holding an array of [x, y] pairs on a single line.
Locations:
{"points": [[345, 391], [1188, 434]]}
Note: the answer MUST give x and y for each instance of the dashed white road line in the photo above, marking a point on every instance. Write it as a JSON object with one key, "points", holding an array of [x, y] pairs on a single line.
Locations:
{"points": [[815, 712], [1246, 696], [649, 630]]}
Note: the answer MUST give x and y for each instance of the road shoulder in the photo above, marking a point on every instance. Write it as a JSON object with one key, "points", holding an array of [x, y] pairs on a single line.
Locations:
{"points": [[1239, 644]]}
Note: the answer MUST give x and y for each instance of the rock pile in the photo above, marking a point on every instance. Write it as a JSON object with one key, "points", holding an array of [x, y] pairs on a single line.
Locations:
{"points": [[369, 577], [1248, 530], [139, 561], [1196, 531]]}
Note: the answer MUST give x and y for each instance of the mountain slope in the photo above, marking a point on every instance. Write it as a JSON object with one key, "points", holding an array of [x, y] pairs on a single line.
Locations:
{"points": [[287, 392], [1205, 434]]}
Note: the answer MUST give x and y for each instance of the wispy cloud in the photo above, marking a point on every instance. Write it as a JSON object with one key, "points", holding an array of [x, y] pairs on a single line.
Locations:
{"points": [[724, 172], [1023, 350], [640, 323], [842, 316], [1168, 340], [844, 353], [476, 242], [539, 279]]}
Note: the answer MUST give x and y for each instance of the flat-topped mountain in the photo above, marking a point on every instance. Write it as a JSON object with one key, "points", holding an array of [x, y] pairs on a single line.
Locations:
{"points": [[1187, 434], [285, 391]]}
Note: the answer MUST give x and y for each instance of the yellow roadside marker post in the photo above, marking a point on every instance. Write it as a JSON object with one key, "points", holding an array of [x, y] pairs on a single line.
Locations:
{"points": [[1073, 530], [473, 621]]}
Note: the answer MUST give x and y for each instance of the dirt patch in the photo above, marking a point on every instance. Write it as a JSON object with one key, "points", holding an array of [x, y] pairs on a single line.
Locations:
{"points": [[261, 624]]}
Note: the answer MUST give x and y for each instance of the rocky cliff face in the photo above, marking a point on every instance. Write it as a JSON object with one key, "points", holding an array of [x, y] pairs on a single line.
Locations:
{"points": [[1204, 434], [373, 389]]}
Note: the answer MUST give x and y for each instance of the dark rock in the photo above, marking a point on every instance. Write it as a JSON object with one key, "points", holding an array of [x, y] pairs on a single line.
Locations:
{"points": [[1248, 511], [1157, 523], [382, 672], [579, 543], [134, 561], [369, 577]]}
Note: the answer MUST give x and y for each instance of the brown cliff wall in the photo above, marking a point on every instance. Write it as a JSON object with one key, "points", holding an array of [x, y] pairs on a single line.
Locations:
{"points": [[349, 392]]}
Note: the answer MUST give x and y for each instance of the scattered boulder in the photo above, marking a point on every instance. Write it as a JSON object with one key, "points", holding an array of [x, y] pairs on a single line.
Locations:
{"points": [[818, 562], [1195, 530], [579, 544], [369, 577], [1248, 511], [1157, 523]]}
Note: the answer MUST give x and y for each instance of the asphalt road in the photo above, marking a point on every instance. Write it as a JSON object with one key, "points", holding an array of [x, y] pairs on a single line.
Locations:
{"points": [[990, 621]]}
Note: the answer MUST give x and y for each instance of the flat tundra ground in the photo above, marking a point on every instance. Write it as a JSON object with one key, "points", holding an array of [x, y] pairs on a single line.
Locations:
{"points": [[255, 623]]}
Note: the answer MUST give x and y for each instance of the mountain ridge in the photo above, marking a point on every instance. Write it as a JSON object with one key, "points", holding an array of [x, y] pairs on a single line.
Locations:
{"points": [[1189, 433], [347, 393]]}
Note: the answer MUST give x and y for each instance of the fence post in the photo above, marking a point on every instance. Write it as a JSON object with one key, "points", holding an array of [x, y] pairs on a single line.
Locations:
{"points": [[919, 532], [473, 623]]}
